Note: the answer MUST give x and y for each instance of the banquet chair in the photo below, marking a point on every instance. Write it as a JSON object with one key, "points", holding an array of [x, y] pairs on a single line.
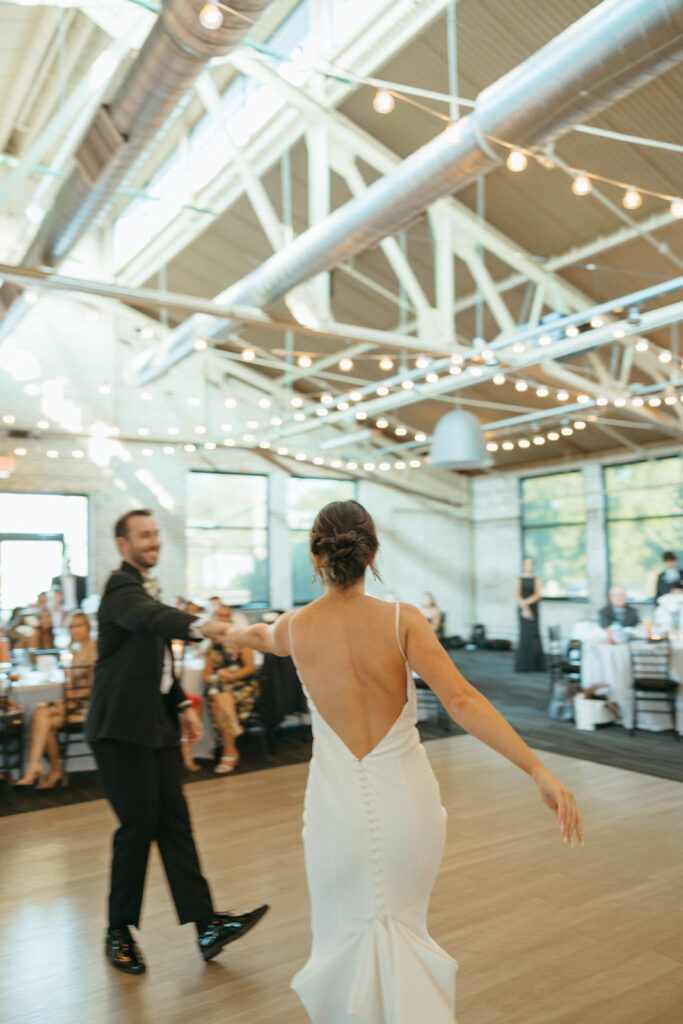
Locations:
{"points": [[11, 729], [652, 681], [71, 734]]}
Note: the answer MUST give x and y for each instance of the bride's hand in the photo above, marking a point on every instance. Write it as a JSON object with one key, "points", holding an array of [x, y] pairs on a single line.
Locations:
{"points": [[559, 799]]}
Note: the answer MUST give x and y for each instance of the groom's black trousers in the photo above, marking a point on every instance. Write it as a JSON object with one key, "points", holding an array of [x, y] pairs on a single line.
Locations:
{"points": [[144, 786]]}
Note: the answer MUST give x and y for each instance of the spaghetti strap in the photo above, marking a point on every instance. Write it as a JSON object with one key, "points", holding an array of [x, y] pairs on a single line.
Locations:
{"points": [[398, 635], [291, 643]]}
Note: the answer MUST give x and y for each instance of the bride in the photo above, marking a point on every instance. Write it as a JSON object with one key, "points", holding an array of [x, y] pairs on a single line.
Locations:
{"points": [[374, 828]]}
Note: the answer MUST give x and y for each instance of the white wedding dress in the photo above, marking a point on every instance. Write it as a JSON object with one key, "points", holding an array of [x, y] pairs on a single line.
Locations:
{"points": [[374, 833]]}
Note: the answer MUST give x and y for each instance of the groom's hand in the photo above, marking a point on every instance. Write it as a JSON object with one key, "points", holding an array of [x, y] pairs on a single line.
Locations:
{"points": [[213, 630]]}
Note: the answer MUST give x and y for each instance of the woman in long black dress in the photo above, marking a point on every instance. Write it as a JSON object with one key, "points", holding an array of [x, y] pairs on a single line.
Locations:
{"points": [[529, 656]]}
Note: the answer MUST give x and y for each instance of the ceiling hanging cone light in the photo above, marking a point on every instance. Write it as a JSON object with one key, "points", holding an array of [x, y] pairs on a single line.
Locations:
{"points": [[458, 443]]}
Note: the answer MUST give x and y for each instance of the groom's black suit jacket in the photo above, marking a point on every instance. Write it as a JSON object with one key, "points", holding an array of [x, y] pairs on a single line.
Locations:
{"points": [[134, 631]]}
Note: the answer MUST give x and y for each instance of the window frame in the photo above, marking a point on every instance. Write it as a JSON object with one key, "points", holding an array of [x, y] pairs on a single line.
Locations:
{"points": [[546, 525], [231, 472], [307, 529], [607, 519]]}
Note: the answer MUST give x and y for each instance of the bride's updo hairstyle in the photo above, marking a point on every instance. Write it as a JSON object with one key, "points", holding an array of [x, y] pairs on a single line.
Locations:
{"points": [[343, 539]]}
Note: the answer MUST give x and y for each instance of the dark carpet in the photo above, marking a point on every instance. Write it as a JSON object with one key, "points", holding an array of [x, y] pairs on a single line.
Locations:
{"points": [[521, 698]]}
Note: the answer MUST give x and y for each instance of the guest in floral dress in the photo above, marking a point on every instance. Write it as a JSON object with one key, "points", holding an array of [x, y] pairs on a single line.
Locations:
{"points": [[232, 690]]}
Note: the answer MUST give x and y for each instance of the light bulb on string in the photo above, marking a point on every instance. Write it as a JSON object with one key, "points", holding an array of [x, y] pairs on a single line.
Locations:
{"points": [[632, 198], [383, 102], [676, 208], [386, 364], [211, 16], [581, 185], [453, 133], [516, 161]]}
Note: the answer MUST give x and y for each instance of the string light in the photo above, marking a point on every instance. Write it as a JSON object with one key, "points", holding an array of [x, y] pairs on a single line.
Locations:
{"points": [[676, 208], [562, 396], [305, 361], [516, 160], [499, 379], [553, 435], [665, 356], [407, 384], [507, 446], [521, 385], [400, 431], [383, 102], [296, 402], [230, 403], [211, 16], [264, 444], [581, 185], [356, 396], [248, 354], [632, 198], [327, 399], [597, 321], [382, 390], [492, 446], [618, 332], [264, 403], [524, 443], [386, 364], [200, 345], [382, 424], [345, 365], [539, 439], [566, 431], [422, 362], [420, 437], [579, 425], [641, 345], [453, 133], [542, 392], [544, 339]]}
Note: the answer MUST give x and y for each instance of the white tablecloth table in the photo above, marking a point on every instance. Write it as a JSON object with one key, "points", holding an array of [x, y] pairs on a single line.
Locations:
{"points": [[608, 664], [34, 688]]}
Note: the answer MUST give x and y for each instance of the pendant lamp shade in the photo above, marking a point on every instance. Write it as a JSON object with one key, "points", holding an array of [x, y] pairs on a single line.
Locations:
{"points": [[458, 443]]}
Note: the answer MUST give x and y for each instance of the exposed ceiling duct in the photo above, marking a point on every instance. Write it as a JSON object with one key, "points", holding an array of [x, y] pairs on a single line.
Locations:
{"points": [[174, 54], [615, 48]]}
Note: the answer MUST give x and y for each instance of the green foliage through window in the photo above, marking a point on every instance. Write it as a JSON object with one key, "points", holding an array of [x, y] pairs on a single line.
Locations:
{"points": [[553, 523], [644, 502], [227, 537]]}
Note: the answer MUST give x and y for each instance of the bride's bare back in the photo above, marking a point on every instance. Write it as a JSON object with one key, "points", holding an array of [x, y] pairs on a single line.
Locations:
{"points": [[348, 657]]}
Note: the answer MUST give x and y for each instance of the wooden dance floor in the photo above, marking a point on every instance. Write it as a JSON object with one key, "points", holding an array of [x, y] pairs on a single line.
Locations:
{"points": [[543, 934]]}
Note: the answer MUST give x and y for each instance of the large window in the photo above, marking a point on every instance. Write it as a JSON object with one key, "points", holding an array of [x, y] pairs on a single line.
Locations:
{"points": [[36, 531], [305, 498], [644, 518], [227, 537], [553, 524]]}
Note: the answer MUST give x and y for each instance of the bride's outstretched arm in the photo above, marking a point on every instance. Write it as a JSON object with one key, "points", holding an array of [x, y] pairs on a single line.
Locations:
{"points": [[474, 713], [272, 639]]}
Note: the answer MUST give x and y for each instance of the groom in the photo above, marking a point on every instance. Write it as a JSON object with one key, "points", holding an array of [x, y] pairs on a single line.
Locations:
{"points": [[133, 726]]}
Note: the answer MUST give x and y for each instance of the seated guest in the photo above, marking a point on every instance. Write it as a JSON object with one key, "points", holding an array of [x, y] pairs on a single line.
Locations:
{"points": [[232, 689], [617, 610], [47, 718], [671, 577], [432, 614], [179, 602], [42, 638], [214, 604], [192, 608]]}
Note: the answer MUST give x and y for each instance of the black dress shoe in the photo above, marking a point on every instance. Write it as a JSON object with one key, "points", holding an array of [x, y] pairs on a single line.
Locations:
{"points": [[120, 948], [225, 928]]}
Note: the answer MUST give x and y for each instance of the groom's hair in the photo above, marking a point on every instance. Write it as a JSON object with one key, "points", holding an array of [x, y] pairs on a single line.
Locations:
{"points": [[121, 527]]}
